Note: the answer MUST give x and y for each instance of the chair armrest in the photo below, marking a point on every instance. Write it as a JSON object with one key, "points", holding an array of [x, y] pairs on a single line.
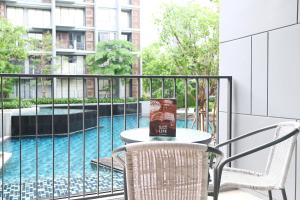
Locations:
{"points": [[246, 135], [116, 155], [256, 149], [219, 156], [218, 170]]}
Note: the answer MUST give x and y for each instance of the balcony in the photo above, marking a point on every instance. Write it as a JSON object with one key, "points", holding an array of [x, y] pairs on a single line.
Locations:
{"points": [[70, 47]]}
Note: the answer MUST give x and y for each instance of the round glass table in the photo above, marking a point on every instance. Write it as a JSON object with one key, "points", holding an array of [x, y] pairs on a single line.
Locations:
{"points": [[185, 135]]}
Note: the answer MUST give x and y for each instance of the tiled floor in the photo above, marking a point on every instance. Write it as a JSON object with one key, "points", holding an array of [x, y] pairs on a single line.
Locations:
{"points": [[231, 195], [12, 191]]}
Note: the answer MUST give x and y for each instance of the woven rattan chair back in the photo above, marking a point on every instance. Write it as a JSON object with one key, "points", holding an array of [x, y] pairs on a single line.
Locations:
{"points": [[166, 171]]}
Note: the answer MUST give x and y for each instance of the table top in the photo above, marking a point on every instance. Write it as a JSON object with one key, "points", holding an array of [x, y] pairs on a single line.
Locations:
{"points": [[184, 135]]}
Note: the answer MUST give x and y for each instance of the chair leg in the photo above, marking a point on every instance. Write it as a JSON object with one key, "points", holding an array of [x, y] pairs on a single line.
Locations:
{"points": [[270, 194], [283, 194]]}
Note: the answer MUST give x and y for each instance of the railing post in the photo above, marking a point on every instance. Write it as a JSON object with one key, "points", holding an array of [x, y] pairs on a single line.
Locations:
{"points": [[229, 115], [2, 137]]}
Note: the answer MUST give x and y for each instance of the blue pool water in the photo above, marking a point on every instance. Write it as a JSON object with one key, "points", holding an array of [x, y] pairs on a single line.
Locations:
{"points": [[45, 159]]}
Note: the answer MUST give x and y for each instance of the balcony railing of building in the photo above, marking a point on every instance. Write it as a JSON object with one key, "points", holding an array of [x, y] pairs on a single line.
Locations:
{"points": [[71, 45], [51, 147]]}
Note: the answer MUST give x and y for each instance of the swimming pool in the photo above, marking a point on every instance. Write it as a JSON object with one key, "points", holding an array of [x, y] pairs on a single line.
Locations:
{"points": [[11, 175]]}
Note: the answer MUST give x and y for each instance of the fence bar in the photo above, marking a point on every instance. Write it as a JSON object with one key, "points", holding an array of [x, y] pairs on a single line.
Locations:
{"points": [[69, 143], [2, 136], [83, 132], [197, 105], [207, 105], [186, 102], [98, 138], [53, 139], [229, 114], [138, 104], [20, 137], [36, 139], [112, 132], [217, 99], [150, 87], [174, 89], [162, 88], [125, 101]]}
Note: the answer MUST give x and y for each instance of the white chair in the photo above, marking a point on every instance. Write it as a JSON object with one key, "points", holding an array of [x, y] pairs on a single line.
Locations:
{"points": [[275, 174], [166, 170]]}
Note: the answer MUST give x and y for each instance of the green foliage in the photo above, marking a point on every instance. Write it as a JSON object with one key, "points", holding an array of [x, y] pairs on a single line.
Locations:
{"points": [[12, 52], [14, 104], [190, 34], [113, 57], [27, 103], [189, 44], [41, 101]]}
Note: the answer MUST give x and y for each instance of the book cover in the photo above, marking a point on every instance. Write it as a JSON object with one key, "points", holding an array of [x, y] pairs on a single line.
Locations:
{"points": [[163, 117]]}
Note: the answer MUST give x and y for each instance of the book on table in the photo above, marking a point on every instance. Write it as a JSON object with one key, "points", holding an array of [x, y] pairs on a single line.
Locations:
{"points": [[163, 117]]}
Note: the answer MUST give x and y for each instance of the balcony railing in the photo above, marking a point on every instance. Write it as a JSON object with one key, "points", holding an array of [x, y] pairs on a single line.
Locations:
{"points": [[48, 147], [70, 45]]}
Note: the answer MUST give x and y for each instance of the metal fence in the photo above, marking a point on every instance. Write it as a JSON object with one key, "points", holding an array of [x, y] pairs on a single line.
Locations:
{"points": [[88, 123]]}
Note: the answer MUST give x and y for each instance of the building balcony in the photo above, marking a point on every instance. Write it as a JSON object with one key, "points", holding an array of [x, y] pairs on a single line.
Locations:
{"points": [[73, 44], [43, 4], [73, 3]]}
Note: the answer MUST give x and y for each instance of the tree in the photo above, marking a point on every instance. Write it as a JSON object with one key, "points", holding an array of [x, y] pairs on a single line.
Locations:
{"points": [[113, 57], [191, 35], [42, 60], [13, 51], [188, 45]]}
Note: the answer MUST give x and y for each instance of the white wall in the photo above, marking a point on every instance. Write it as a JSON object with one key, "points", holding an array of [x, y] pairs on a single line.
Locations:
{"points": [[260, 48]]}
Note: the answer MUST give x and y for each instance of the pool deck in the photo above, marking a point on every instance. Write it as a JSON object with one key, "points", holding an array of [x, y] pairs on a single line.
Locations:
{"points": [[4, 138], [6, 156]]}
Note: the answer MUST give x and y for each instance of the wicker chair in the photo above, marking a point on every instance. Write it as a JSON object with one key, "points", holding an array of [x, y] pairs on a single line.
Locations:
{"points": [[276, 170], [166, 170]]}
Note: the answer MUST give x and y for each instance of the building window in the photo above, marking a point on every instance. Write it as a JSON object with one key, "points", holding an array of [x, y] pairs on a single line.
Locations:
{"points": [[69, 17], [39, 18], [125, 19], [104, 36], [15, 15], [73, 40], [70, 64], [126, 36], [62, 40], [36, 36], [107, 19], [77, 40]]}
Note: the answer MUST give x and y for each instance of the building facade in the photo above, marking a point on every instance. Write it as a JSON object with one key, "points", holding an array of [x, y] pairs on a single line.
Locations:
{"points": [[76, 26]]}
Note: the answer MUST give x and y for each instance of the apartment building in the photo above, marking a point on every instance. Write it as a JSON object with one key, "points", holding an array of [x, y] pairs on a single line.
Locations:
{"points": [[76, 26]]}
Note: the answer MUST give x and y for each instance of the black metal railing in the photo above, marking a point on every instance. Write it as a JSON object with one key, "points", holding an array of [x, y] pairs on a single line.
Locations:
{"points": [[52, 160]]}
